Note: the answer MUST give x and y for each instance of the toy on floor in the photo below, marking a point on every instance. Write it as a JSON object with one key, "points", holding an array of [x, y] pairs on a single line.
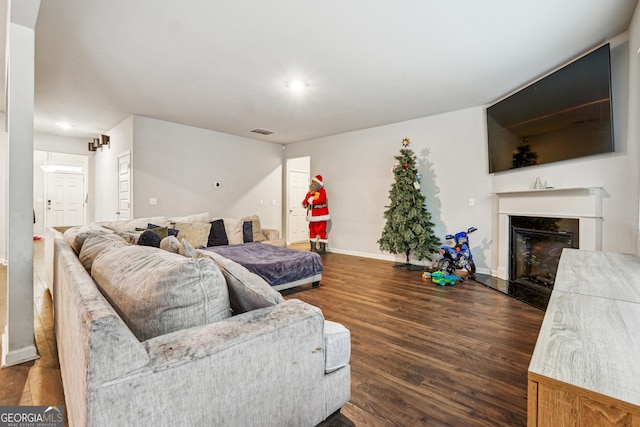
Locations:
{"points": [[459, 256], [441, 279]]}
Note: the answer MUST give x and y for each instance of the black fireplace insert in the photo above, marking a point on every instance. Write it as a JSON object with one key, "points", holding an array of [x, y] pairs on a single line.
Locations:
{"points": [[535, 248]]}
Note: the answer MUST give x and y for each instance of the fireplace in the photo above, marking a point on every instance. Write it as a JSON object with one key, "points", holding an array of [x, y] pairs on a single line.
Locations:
{"points": [[533, 282], [536, 244]]}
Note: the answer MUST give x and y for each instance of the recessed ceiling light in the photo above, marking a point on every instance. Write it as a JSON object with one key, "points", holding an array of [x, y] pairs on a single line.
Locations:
{"points": [[297, 85]]}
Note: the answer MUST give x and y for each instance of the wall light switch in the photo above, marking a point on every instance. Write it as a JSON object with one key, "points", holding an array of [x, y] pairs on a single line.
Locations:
{"points": [[273, 203], [153, 201], [472, 202]]}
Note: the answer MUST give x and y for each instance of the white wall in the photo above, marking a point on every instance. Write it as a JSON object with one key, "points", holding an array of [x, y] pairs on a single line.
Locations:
{"points": [[105, 171], [178, 165], [4, 191], [634, 105], [356, 166]]}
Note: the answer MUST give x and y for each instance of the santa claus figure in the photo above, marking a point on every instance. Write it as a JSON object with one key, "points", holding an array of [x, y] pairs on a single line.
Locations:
{"points": [[317, 214]]}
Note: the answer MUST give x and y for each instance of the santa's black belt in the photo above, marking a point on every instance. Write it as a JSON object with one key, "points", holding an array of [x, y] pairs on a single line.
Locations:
{"points": [[319, 206]]}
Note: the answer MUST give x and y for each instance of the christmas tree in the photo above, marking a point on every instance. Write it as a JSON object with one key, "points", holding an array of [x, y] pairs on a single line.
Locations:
{"points": [[523, 156], [409, 227]]}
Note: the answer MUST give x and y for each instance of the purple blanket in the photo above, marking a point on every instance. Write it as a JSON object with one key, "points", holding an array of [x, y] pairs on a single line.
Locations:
{"points": [[274, 264]]}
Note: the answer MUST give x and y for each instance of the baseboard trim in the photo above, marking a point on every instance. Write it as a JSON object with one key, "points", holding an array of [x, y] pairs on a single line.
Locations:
{"points": [[16, 357], [381, 257]]}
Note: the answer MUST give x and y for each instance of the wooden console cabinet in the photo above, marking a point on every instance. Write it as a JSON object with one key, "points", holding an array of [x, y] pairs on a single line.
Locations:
{"points": [[585, 368]]}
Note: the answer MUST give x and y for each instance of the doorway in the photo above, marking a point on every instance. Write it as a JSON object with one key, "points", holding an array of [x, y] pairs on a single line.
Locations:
{"points": [[64, 199], [60, 190], [298, 174], [124, 186]]}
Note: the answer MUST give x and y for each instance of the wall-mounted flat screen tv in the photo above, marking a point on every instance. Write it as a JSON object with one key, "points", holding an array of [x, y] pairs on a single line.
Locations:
{"points": [[565, 115]]}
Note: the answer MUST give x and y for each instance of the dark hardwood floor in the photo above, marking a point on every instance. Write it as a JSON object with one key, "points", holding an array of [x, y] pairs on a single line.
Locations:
{"points": [[421, 354], [424, 354]]}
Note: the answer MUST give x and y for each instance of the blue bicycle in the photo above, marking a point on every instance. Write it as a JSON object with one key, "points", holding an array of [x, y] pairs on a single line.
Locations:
{"points": [[459, 256]]}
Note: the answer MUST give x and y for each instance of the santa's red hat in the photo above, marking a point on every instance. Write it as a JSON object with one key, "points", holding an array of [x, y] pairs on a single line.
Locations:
{"points": [[318, 179]]}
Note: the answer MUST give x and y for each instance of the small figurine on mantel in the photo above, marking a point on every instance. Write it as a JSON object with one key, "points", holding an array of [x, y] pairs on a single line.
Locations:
{"points": [[315, 202], [538, 184]]}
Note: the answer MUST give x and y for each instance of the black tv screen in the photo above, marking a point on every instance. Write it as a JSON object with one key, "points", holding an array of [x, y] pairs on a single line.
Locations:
{"points": [[565, 115]]}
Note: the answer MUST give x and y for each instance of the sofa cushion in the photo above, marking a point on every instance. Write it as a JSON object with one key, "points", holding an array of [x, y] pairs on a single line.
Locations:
{"points": [[218, 234], [94, 245], [247, 290], [337, 346], [130, 237], [199, 217], [256, 227], [132, 224], [75, 236], [196, 233], [157, 292]]}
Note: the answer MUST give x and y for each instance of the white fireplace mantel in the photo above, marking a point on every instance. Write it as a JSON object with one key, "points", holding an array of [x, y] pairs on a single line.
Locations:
{"points": [[582, 203]]}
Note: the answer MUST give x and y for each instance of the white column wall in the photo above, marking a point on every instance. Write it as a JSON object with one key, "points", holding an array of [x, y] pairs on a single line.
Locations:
{"points": [[18, 343]]}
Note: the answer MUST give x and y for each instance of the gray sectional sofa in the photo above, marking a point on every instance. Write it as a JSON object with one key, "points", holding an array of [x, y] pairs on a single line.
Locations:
{"points": [[150, 337]]}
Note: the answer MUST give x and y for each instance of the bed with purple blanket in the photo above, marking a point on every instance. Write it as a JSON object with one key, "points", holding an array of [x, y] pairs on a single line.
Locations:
{"points": [[282, 268]]}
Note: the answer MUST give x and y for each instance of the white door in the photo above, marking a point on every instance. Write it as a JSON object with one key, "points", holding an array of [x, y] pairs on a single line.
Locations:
{"points": [[298, 230], [124, 186], [65, 199]]}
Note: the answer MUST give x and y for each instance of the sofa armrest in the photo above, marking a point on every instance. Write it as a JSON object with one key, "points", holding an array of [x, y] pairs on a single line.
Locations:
{"points": [[237, 371], [271, 233], [273, 237]]}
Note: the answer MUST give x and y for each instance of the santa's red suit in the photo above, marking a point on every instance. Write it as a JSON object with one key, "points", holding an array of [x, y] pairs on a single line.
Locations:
{"points": [[317, 212]]}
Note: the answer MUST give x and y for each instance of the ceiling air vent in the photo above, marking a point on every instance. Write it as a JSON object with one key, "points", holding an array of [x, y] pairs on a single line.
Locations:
{"points": [[262, 131]]}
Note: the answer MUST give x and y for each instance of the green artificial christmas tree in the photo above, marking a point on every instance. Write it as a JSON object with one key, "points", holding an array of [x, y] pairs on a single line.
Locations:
{"points": [[409, 227]]}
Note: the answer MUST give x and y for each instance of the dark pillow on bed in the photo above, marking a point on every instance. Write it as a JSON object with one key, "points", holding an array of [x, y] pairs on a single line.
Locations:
{"points": [[217, 235], [247, 231]]}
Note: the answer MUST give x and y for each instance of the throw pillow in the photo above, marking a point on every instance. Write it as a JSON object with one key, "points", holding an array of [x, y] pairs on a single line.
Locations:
{"points": [[162, 232], [218, 234], [257, 228], [149, 238], [196, 233], [233, 228], [157, 292], [247, 290], [247, 231]]}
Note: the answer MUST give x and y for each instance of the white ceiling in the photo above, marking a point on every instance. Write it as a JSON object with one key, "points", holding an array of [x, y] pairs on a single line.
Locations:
{"points": [[223, 65]]}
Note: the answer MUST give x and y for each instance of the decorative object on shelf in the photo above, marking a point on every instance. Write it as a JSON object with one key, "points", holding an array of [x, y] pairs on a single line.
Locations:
{"points": [[538, 184], [408, 229]]}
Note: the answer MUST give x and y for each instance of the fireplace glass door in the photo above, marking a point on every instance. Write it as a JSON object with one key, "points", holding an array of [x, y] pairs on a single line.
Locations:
{"points": [[536, 246]]}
